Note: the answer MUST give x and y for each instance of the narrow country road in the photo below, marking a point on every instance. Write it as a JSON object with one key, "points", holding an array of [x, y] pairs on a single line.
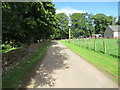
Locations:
{"points": [[62, 68]]}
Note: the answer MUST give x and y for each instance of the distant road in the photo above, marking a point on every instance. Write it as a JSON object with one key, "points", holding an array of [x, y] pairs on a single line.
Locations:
{"points": [[62, 68]]}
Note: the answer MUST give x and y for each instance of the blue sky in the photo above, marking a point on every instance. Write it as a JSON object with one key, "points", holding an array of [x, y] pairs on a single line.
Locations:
{"points": [[108, 8]]}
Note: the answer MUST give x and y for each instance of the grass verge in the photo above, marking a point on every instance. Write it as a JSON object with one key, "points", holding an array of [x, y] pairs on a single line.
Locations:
{"points": [[16, 77], [105, 63]]}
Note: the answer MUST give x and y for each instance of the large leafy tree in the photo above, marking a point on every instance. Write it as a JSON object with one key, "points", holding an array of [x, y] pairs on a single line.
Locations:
{"points": [[62, 30], [50, 19], [78, 24], [90, 25], [10, 23], [82, 24], [27, 22], [101, 21]]}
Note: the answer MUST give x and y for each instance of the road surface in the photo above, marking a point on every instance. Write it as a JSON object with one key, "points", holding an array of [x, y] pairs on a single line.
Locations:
{"points": [[62, 68]]}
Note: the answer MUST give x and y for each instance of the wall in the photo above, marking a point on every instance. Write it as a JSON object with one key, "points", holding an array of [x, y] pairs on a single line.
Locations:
{"points": [[116, 34], [13, 58]]}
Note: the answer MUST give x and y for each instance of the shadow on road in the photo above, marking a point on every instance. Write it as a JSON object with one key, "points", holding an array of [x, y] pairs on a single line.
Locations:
{"points": [[55, 59]]}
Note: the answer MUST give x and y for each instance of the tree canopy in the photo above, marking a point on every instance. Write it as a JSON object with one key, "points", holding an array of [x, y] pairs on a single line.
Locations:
{"points": [[82, 24], [27, 22], [101, 21], [62, 26]]}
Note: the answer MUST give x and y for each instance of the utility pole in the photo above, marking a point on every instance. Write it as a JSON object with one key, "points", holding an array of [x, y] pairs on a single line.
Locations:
{"points": [[69, 25], [69, 32]]}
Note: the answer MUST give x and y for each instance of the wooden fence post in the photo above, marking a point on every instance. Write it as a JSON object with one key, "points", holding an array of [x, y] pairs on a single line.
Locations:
{"points": [[95, 45], [76, 42], [79, 42], [88, 43], [104, 45], [83, 42], [68, 41]]}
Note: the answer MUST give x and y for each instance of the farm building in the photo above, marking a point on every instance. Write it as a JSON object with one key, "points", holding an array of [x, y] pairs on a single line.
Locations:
{"points": [[112, 31], [96, 35]]}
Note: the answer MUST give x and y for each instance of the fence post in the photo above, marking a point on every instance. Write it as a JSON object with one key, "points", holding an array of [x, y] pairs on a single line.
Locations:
{"points": [[83, 42], [104, 45], [95, 45], [68, 41], [88, 43], [79, 42], [76, 42]]}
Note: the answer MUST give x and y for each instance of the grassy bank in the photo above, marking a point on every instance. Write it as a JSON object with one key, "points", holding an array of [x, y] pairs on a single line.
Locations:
{"points": [[111, 45], [105, 63], [16, 77]]}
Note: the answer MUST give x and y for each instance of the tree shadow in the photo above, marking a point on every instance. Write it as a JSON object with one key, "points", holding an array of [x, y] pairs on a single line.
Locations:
{"points": [[55, 59]]}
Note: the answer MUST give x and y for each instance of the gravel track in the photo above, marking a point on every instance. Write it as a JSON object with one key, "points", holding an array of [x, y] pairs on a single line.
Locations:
{"points": [[62, 68]]}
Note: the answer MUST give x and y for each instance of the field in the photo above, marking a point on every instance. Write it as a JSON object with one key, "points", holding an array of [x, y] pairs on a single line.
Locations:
{"points": [[110, 46], [104, 62]]}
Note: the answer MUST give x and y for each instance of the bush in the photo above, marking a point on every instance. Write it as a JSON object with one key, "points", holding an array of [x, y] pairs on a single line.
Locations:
{"points": [[6, 46]]}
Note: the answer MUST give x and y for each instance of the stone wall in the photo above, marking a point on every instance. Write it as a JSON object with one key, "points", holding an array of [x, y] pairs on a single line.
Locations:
{"points": [[13, 58]]}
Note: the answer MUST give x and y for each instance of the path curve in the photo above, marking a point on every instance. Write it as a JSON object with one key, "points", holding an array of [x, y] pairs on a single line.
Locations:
{"points": [[62, 68]]}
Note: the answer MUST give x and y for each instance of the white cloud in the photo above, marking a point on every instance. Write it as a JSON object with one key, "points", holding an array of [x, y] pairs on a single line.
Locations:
{"points": [[69, 10]]}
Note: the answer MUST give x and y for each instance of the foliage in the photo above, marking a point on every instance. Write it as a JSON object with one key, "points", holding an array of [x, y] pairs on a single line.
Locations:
{"points": [[25, 23], [82, 24], [101, 21], [62, 26], [7, 48]]}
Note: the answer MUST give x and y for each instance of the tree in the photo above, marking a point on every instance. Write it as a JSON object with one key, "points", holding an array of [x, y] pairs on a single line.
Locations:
{"points": [[101, 21], [78, 23], [89, 25], [62, 30], [82, 24], [27, 22]]}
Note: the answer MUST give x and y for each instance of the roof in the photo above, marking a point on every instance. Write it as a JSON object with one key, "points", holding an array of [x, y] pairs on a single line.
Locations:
{"points": [[115, 28]]}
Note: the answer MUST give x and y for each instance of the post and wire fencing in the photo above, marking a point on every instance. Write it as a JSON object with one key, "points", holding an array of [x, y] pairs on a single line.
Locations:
{"points": [[106, 46]]}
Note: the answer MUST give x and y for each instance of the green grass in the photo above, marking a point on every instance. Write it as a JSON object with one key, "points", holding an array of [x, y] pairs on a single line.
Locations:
{"points": [[105, 63], [17, 76], [7, 48], [111, 45]]}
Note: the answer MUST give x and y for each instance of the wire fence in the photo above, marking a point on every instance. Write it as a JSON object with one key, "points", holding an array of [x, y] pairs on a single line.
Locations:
{"points": [[106, 46]]}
